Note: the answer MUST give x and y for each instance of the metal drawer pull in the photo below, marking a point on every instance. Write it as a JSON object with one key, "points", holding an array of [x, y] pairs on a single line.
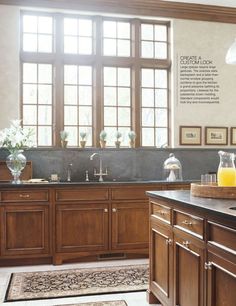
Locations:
{"points": [[208, 265], [24, 196], [114, 209], [105, 210], [169, 241], [162, 213], [186, 243], [186, 222]]}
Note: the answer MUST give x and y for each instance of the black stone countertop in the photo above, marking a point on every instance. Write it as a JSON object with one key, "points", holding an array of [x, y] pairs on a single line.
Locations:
{"points": [[96, 183], [219, 207]]}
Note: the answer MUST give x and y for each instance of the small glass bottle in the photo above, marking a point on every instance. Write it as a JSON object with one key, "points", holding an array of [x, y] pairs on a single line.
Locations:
{"points": [[172, 169], [226, 174]]}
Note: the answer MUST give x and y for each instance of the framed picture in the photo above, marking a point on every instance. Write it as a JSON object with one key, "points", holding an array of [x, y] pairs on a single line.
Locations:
{"points": [[233, 135], [216, 135], [190, 135]]}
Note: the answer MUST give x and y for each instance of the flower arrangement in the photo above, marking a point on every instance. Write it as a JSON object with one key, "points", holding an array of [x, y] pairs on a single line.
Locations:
{"points": [[103, 135], [132, 136], [16, 138], [83, 135], [103, 138], [118, 135], [64, 135]]}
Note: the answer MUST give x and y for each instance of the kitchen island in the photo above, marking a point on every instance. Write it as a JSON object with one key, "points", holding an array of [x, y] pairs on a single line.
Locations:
{"points": [[192, 250]]}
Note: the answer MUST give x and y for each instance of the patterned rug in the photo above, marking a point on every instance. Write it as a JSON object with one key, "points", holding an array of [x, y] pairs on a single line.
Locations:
{"points": [[76, 282], [108, 303]]}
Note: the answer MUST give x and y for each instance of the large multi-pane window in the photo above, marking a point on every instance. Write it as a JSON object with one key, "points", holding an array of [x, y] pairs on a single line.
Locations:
{"points": [[91, 73]]}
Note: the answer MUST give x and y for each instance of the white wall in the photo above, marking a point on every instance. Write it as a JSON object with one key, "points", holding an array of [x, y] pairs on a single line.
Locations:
{"points": [[9, 64], [211, 41]]}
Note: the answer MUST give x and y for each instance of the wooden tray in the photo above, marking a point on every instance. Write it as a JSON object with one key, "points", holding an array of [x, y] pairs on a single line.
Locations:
{"points": [[213, 191]]}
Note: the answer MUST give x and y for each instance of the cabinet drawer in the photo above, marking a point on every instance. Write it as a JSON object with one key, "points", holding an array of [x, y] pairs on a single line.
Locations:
{"points": [[24, 195], [161, 212], [132, 193], [222, 236], [86, 194], [189, 223]]}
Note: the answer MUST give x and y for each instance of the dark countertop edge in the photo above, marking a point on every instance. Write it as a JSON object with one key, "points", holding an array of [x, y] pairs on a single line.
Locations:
{"points": [[194, 202], [91, 183]]}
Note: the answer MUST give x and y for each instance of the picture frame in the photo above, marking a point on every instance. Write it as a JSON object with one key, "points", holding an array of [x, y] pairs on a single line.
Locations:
{"points": [[215, 135], [190, 135], [233, 135]]}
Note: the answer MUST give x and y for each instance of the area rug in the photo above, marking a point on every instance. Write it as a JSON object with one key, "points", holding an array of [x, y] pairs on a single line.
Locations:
{"points": [[76, 282], [107, 303]]}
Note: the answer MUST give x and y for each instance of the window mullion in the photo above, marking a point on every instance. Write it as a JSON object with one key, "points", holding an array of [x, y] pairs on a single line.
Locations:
{"points": [[98, 115], [136, 103], [58, 110]]}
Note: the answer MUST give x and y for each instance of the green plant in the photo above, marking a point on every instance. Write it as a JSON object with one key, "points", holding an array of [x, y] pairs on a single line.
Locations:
{"points": [[64, 135], [103, 135], [83, 135], [132, 135], [118, 135]]}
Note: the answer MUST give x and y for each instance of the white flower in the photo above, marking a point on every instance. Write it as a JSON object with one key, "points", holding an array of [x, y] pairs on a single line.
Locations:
{"points": [[15, 137]]}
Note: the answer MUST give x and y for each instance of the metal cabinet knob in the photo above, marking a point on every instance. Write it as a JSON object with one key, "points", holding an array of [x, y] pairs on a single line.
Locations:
{"points": [[208, 265], [105, 210], [186, 222], [113, 209]]}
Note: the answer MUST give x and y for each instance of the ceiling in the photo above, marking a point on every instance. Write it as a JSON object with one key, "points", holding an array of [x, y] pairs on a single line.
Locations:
{"points": [[227, 3]]}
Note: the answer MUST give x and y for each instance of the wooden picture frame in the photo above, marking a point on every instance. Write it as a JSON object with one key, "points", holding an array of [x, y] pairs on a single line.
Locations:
{"points": [[233, 135], [190, 135], [215, 135]]}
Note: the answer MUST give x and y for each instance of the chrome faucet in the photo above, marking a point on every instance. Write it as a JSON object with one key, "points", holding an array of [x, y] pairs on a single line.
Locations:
{"points": [[69, 169], [100, 173]]}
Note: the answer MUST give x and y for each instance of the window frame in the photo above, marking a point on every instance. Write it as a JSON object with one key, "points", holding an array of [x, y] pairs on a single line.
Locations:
{"points": [[98, 61]]}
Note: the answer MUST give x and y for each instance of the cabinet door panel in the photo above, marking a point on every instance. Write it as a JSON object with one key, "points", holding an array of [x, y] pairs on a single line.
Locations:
{"points": [[130, 225], [81, 227], [189, 273], [161, 262], [25, 230], [221, 281]]}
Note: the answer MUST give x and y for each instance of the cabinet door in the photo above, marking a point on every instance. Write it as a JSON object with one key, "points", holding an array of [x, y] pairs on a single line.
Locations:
{"points": [[25, 230], [81, 227], [221, 281], [188, 271], [161, 262], [130, 223]]}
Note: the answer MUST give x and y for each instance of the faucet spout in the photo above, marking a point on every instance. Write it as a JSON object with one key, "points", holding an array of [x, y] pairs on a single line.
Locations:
{"points": [[100, 173]]}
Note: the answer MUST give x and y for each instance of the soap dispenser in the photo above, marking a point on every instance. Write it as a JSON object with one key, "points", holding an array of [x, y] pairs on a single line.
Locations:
{"points": [[172, 169]]}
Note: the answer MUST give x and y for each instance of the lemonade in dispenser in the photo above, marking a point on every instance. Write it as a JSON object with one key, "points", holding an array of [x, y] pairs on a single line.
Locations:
{"points": [[226, 174]]}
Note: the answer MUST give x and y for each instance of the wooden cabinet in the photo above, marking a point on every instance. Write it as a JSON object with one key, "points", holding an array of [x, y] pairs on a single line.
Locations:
{"points": [[130, 226], [221, 265], [63, 222], [25, 219], [161, 261], [192, 259], [82, 227], [188, 270]]}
